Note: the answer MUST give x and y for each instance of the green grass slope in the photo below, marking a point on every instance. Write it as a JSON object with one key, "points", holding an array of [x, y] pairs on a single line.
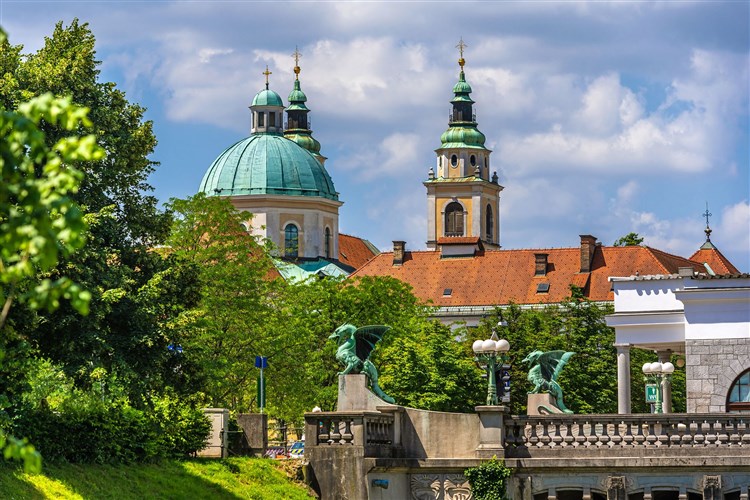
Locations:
{"points": [[233, 478]]}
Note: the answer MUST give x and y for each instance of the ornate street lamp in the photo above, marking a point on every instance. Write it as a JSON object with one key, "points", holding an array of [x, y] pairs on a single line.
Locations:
{"points": [[488, 353], [655, 374]]}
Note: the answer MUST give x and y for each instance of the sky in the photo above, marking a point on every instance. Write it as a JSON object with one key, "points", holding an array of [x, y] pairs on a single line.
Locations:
{"points": [[604, 118]]}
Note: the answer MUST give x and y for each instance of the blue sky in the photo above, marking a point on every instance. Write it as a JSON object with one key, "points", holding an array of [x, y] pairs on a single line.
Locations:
{"points": [[603, 117]]}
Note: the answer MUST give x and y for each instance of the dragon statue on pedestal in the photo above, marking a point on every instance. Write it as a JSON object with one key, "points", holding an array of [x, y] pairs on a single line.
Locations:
{"points": [[355, 346], [545, 367]]}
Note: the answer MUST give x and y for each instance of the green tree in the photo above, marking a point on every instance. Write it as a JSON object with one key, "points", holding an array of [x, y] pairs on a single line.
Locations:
{"points": [[39, 222], [123, 334], [433, 370], [629, 240], [230, 324]]}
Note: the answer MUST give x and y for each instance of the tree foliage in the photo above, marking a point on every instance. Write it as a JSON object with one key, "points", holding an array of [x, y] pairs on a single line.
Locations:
{"points": [[135, 292], [629, 240], [489, 480]]}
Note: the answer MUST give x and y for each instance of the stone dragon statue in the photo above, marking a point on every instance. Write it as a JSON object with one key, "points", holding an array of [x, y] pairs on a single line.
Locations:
{"points": [[544, 368], [355, 346]]}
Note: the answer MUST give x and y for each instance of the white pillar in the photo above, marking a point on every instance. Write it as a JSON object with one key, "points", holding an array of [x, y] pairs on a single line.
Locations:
{"points": [[623, 378], [666, 387]]}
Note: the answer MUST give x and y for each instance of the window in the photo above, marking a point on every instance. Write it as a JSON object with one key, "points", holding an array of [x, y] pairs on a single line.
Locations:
{"points": [[473, 160], [454, 160], [328, 243], [271, 119], [542, 288], [291, 241], [489, 222], [454, 219], [739, 394], [261, 117]]}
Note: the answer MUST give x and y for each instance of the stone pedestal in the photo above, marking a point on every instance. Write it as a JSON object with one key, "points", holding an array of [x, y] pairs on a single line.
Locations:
{"points": [[491, 431], [355, 396], [536, 400], [254, 432]]}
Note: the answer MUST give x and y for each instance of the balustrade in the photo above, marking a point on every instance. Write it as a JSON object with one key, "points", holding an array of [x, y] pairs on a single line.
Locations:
{"points": [[527, 434], [352, 428]]}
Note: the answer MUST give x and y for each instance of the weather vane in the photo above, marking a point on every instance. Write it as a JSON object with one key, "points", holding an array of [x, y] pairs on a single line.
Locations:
{"points": [[461, 46], [266, 72], [296, 57]]}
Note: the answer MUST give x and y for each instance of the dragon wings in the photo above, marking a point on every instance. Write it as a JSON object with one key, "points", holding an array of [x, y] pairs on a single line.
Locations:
{"points": [[551, 363], [366, 337]]}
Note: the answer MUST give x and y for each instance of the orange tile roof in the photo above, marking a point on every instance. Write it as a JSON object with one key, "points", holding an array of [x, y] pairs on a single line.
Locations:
{"points": [[715, 259], [355, 252], [496, 277]]}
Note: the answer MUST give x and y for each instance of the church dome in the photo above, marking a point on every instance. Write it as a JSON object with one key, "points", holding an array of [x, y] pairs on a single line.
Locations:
{"points": [[267, 97], [462, 137], [267, 164]]}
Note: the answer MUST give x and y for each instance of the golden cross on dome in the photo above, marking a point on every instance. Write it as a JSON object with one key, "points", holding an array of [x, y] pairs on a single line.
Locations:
{"points": [[266, 72], [461, 46], [296, 57]]}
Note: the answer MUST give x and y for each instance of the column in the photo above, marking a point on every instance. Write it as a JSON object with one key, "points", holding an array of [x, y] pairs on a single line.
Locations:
{"points": [[666, 387], [623, 378]]}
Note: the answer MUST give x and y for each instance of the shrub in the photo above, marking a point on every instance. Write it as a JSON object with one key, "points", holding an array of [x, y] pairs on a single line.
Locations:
{"points": [[489, 480]]}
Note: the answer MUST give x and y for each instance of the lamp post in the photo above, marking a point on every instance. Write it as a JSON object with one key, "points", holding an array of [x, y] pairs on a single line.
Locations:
{"points": [[657, 373], [488, 352]]}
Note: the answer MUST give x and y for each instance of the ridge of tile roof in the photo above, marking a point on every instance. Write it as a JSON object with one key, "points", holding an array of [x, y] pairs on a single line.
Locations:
{"points": [[355, 251], [497, 277], [715, 259]]}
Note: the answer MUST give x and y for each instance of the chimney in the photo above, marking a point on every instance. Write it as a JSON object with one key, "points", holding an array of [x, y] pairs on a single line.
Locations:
{"points": [[540, 264], [588, 245], [398, 252]]}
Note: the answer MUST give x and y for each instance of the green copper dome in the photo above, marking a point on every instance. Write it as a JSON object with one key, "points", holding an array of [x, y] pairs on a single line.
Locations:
{"points": [[267, 98], [462, 137], [297, 98], [267, 164], [462, 86]]}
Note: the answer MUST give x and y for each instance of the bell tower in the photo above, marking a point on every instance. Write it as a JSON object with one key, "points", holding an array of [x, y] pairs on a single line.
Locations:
{"points": [[463, 201]]}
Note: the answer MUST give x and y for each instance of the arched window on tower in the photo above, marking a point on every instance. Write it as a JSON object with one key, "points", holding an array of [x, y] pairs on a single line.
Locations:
{"points": [[454, 219], [489, 221], [738, 399], [328, 243], [291, 241]]}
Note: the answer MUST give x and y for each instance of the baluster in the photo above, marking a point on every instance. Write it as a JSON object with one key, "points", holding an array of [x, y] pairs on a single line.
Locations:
{"points": [[604, 438], [336, 431], [533, 438], [663, 436], [324, 431], [700, 434], [348, 436], [712, 435], [557, 438], [545, 439], [616, 437], [722, 437], [678, 431], [734, 438], [628, 439], [688, 437], [743, 432], [592, 439], [581, 437], [651, 436], [569, 438]]}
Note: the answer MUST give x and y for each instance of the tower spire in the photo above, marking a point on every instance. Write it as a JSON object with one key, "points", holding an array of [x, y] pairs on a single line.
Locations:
{"points": [[296, 55], [707, 214], [298, 124], [461, 46]]}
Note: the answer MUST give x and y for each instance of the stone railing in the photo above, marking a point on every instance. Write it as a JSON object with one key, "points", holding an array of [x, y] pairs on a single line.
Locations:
{"points": [[529, 436], [362, 428]]}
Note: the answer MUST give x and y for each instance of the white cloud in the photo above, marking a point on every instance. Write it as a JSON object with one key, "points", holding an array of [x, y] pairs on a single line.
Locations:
{"points": [[205, 55]]}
